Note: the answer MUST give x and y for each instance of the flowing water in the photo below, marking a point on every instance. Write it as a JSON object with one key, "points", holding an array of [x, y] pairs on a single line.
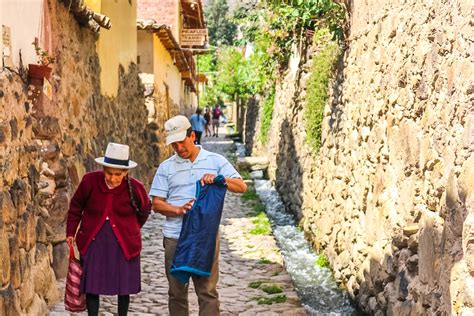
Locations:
{"points": [[316, 287]]}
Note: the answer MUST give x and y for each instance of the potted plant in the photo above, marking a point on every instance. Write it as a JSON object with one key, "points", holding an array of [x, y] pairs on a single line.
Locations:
{"points": [[42, 69]]}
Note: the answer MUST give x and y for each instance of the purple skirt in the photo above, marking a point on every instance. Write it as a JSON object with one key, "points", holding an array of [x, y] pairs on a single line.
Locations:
{"points": [[106, 271]]}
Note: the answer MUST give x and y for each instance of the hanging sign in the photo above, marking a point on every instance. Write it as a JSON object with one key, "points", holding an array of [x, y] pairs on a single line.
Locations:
{"points": [[7, 47], [194, 31], [193, 37]]}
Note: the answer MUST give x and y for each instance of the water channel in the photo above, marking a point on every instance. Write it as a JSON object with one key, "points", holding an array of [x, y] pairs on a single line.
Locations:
{"points": [[316, 287]]}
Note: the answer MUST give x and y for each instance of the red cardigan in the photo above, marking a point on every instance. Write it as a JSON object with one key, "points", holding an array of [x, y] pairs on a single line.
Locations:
{"points": [[94, 201]]}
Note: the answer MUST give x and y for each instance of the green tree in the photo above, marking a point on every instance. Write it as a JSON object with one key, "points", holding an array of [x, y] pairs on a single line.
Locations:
{"points": [[222, 31], [233, 75], [207, 63]]}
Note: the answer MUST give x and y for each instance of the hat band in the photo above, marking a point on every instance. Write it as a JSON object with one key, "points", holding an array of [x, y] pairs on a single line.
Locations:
{"points": [[116, 161]]}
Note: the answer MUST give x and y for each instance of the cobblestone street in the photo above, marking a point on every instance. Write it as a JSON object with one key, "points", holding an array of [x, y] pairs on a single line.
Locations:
{"points": [[245, 258]]}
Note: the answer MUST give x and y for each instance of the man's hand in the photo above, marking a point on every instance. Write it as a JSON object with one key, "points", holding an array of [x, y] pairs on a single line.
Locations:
{"points": [[207, 178], [185, 208]]}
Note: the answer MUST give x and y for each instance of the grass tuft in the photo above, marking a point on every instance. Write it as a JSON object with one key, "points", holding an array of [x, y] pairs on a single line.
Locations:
{"points": [[250, 194], [322, 261], [272, 289], [261, 225], [270, 300], [255, 284]]}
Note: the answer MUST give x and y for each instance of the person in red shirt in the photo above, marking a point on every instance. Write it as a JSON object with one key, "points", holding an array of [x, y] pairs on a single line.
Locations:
{"points": [[105, 218]]}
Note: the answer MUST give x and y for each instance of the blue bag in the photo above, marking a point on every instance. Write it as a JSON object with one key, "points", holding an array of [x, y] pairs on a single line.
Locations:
{"points": [[197, 242]]}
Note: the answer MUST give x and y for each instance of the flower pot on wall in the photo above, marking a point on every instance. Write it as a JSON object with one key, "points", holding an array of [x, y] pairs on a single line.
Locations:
{"points": [[36, 73], [36, 76]]}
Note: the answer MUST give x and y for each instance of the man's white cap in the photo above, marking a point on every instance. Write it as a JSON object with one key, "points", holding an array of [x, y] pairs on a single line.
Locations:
{"points": [[117, 156], [176, 128]]}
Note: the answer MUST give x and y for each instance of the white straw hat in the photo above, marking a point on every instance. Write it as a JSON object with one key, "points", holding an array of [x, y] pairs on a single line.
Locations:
{"points": [[117, 156], [176, 128]]}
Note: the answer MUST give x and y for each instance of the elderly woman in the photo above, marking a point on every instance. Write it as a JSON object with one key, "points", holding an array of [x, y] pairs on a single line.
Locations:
{"points": [[104, 219]]}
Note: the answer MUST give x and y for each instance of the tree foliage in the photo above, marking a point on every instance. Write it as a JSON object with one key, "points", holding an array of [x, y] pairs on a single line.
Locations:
{"points": [[270, 30], [278, 24], [222, 31]]}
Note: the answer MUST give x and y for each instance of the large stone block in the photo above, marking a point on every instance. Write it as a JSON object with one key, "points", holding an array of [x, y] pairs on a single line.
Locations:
{"points": [[469, 292], [27, 291], [41, 231], [20, 195], [37, 306], [58, 211], [24, 263], [252, 163], [46, 127], [15, 275], [9, 304], [468, 243], [26, 228], [60, 260], [4, 256], [426, 254], [7, 210], [42, 274], [466, 182], [49, 150]]}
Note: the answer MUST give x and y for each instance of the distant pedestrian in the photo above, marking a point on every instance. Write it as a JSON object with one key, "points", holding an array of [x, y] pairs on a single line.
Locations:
{"points": [[198, 123], [207, 117], [216, 115], [173, 192], [105, 217]]}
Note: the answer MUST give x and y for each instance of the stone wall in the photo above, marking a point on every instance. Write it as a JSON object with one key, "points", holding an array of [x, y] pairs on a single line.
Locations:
{"points": [[45, 150], [389, 198]]}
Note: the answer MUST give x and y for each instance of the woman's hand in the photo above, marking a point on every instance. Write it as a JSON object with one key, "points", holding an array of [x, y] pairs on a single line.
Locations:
{"points": [[70, 240]]}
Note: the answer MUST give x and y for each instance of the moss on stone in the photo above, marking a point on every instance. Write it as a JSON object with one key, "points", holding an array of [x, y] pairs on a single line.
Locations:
{"points": [[322, 261], [271, 288], [255, 284], [270, 300]]}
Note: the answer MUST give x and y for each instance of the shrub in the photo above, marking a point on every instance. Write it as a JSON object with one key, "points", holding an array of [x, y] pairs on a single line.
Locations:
{"points": [[317, 88], [322, 261], [267, 116]]}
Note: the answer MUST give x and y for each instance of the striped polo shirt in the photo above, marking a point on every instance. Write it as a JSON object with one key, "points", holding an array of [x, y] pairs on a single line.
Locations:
{"points": [[175, 180]]}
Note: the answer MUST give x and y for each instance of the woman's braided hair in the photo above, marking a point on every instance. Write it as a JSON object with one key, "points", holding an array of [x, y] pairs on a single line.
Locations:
{"points": [[132, 197]]}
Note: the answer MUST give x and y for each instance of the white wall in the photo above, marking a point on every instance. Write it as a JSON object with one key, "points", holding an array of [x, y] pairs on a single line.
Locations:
{"points": [[25, 22]]}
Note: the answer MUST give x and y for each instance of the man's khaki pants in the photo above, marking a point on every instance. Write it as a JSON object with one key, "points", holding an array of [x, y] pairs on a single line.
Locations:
{"points": [[205, 287]]}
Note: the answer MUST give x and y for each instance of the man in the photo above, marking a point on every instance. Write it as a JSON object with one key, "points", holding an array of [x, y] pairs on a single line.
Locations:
{"points": [[173, 192], [216, 114]]}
